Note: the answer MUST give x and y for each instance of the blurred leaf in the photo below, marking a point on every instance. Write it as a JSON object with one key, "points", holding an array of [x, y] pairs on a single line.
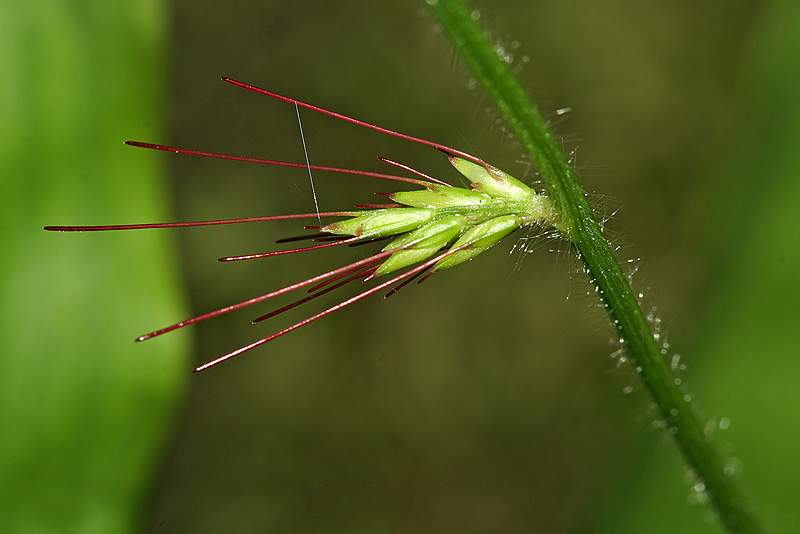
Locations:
{"points": [[83, 410]]}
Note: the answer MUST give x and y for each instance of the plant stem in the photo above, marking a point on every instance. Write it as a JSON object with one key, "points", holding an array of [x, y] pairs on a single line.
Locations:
{"points": [[581, 228]]}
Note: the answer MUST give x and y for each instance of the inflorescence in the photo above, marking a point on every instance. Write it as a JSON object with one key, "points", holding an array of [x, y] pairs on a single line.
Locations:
{"points": [[431, 229]]}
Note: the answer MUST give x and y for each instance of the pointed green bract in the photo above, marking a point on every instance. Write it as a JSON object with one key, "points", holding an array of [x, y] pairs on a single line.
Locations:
{"points": [[381, 222], [491, 180], [478, 239], [440, 197], [422, 243]]}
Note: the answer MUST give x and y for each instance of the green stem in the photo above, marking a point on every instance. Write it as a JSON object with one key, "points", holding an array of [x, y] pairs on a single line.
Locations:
{"points": [[581, 228]]}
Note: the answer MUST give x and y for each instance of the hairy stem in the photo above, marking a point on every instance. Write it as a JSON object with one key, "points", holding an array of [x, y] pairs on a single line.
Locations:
{"points": [[580, 227]]}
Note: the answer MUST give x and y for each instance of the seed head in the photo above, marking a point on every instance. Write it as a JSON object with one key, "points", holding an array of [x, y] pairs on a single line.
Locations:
{"points": [[436, 227]]}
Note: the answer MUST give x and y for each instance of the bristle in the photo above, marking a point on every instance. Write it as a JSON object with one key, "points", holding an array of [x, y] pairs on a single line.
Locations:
{"points": [[443, 148], [418, 173], [300, 237], [401, 285], [427, 275], [276, 163], [377, 206], [372, 240], [291, 251], [198, 223], [329, 238]]}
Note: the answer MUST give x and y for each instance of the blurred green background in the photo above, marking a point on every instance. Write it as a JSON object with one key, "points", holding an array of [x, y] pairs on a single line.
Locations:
{"points": [[486, 399]]}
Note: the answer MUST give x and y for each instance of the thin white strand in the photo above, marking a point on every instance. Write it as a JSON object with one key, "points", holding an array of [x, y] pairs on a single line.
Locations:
{"points": [[308, 163]]}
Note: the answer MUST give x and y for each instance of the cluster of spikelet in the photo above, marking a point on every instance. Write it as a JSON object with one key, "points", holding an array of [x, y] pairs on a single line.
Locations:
{"points": [[495, 205], [433, 228]]}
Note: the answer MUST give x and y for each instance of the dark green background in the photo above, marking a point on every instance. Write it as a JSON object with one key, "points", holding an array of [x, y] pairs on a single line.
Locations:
{"points": [[484, 400]]}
